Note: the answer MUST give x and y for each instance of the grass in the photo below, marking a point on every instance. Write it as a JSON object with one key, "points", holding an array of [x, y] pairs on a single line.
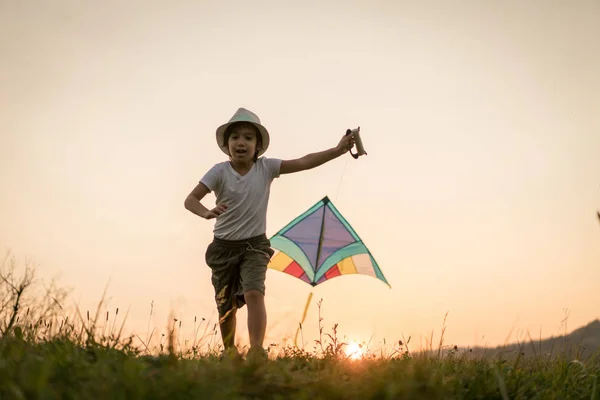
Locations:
{"points": [[47, 355]]}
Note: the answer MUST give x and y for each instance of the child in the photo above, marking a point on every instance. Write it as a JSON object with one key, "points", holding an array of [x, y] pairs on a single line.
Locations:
{"points": [[240, 251]]}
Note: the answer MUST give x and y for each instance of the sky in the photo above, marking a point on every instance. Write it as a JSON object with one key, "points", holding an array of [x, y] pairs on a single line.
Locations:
{"points": [[477, 196]]}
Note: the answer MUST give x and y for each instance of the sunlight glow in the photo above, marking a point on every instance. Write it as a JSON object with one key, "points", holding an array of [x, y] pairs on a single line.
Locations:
{"points": [[355, 350]]}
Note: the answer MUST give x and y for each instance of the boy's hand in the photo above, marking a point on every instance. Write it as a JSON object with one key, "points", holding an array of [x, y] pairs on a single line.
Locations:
{"points": [[345, 144], [215, 212]]}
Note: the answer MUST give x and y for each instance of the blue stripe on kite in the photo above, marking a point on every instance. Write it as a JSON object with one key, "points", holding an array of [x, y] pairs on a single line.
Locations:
{"points": [[290, 248]]}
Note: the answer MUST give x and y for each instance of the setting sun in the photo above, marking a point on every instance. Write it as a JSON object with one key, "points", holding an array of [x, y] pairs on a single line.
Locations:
{"points": [[355, 350]]}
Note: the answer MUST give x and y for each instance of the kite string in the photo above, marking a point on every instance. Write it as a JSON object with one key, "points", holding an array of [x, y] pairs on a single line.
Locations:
{"points": [[340, 182]]}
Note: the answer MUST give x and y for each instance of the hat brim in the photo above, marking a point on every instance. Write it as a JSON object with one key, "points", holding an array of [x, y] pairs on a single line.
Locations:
{"points": [[220, 134]]}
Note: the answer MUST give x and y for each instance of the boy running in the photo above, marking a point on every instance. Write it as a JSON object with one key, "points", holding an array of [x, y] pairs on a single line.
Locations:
{"points": [[240, 250]]}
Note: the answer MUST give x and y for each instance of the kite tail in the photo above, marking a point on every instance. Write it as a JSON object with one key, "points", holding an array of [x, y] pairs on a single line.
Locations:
{"points": [[303, 318]]}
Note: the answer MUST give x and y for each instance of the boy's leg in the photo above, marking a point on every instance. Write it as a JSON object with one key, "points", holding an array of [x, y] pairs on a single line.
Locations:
{"points": [[225, 277], [227, 325], [253, 273], [257, 317]]}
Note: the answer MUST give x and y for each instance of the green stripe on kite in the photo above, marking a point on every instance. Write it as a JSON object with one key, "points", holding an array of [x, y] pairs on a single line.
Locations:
{"points": [[345, 252], [378, 272], [290, 248]]}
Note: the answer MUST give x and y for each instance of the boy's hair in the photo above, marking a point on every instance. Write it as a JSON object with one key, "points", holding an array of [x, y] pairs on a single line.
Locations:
{"points": [[235, 125]]}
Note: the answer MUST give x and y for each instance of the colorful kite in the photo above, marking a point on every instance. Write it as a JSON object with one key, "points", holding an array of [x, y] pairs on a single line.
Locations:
{"points": [[320, 245]]}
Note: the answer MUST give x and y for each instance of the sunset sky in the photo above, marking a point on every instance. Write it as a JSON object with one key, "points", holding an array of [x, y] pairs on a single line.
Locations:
{"points": [[477, 197]]}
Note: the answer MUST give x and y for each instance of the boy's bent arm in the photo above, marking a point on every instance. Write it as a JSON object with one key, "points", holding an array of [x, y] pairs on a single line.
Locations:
{"points": [[192, 201], [310, 161]]}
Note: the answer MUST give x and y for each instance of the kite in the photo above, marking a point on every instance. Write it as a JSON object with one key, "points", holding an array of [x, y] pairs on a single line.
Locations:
{"points": [[320, 245]]}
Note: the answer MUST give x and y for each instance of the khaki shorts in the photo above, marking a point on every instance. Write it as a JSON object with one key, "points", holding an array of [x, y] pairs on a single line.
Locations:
{"points": [[237, 267]]}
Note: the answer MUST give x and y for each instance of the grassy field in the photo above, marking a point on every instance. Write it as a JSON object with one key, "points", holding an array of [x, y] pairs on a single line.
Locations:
{"points": [[62, 366], [47, 355]]}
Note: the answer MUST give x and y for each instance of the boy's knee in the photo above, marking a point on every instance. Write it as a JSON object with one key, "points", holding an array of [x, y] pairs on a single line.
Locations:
{"points": [[253, 279], [253, 296]]}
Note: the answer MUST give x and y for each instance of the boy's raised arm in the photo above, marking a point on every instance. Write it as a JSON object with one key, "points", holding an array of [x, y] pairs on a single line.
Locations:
{"points": [[313, 160]]}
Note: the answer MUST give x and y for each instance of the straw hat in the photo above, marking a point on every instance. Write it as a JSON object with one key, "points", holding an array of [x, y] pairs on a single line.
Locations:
{"points": [[243, 115]]}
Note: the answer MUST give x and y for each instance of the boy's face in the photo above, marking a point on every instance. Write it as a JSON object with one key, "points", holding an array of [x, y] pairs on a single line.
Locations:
{"points": [[242, 143]]}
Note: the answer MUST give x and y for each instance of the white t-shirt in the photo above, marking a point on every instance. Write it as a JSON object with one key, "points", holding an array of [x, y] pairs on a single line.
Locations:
{"points": [[246, 197]]}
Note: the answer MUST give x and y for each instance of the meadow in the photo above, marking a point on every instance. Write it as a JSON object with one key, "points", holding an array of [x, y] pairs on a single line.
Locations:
{"points": [[47, 353]]}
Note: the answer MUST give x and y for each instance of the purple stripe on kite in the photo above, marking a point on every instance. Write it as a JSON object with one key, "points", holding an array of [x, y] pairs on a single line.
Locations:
{"points": [[305, 278], [335, 236], [306, 235], [322, 279]]}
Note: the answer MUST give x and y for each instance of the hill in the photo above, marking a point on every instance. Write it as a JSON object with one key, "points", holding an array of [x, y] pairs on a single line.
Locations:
{"points": [[580, 344]]}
